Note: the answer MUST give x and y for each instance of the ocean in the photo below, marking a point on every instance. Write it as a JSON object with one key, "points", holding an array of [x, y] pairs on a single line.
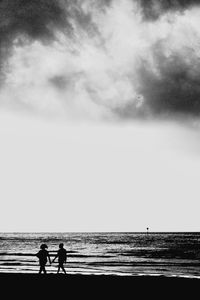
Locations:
{"points": [[167, 254]]}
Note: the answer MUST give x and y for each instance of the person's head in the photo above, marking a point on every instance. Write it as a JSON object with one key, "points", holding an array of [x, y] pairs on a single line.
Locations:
{"points": [[61, 245], [43, 246]]}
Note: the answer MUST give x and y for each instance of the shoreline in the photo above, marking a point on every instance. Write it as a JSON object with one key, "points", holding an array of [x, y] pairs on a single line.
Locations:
{"points": [[88, 275], [100, 274]]}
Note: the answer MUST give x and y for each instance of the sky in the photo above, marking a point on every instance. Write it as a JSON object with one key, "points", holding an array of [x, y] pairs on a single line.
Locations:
{"points": [[99, 115]]}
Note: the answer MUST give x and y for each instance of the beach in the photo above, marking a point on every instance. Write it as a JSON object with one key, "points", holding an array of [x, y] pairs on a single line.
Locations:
{"points": [[102, 266], [96, 286]]}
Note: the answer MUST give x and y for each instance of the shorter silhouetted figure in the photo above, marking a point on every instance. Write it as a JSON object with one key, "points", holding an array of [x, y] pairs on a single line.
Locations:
{"points": [[43, 254], [62, 257]]}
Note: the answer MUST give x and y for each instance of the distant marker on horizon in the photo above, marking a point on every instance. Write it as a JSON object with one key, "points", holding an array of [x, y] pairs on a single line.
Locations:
{"points": [[147, 230]]}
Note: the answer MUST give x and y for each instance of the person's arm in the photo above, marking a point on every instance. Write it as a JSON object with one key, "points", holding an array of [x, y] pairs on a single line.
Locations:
{"points": [[55, 258], [38, 254], [49, 258]]}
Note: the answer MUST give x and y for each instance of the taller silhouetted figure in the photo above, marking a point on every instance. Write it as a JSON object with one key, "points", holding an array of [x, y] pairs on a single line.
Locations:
{"points": [[62, 257], [43, 254]]}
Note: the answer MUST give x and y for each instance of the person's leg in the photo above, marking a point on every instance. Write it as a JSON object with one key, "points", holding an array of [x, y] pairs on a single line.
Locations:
{"points": [[42, 269], [58, 269], [62, 267]]}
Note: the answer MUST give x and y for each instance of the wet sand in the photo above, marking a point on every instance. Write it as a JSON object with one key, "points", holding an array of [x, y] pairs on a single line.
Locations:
{"points": [[53, 286]]}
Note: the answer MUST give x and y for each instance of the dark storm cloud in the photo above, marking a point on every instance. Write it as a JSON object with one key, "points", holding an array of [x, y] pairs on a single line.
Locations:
{"points": [[153, 9], [35, 18], [32, 19], [173, 91], [39, 19], [177, 87]]}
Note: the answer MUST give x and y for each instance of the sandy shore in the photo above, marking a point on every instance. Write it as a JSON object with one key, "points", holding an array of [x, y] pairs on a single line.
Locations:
{"points": [[97, 286]]}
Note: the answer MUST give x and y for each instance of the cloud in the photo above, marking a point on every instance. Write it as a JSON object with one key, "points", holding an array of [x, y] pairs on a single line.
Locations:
{"points": [[29, 20], [101, 60], [37, 19], [172, 85], [153, 9], [177, 87]]}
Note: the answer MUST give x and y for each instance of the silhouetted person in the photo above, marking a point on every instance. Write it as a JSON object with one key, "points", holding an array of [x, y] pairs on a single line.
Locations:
{"points": [[43, 254], [62, 257]]}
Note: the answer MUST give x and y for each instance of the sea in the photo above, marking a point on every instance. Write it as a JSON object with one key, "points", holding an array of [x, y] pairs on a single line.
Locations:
{"points": [[110, 253]]}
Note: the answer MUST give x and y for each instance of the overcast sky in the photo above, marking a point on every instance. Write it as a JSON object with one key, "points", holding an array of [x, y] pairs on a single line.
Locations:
{"points": [[99, 115]]}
